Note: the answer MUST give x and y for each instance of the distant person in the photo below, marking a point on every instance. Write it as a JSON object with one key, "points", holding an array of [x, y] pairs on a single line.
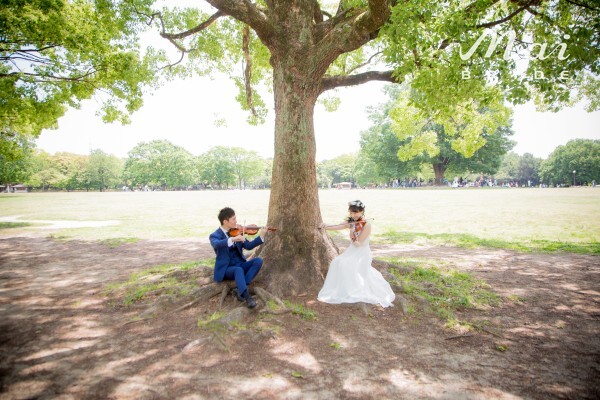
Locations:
{"points": [[351, 278], [230, 263]]}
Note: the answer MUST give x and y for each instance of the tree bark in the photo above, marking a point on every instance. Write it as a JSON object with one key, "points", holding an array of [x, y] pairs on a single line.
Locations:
{"points": [[298, 254], [439, 169]]}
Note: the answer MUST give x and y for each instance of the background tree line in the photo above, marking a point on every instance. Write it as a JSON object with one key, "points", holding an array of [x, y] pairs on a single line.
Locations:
{"points": [[161, 165], [155, 165], [403, 147]]}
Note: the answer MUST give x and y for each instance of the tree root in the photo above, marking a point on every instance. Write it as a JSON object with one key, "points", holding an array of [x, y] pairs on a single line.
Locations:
{"points": [[265, 296], [204, 293], [224, 293], [491, 332], [403, 303]]}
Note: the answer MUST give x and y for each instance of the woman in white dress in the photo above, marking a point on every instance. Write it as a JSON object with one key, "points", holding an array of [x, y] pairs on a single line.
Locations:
{"points": [[351, 278]]}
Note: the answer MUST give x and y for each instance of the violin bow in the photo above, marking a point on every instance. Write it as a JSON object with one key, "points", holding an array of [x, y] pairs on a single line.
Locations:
{"points": [[348, 223]]}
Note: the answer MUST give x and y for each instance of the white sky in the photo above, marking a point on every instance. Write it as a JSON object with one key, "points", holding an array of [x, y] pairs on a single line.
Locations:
{"points": [[185, 112]]}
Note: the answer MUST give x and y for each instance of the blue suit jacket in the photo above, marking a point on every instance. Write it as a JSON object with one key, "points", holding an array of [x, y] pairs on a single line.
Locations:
{"points": [[218, 241]]}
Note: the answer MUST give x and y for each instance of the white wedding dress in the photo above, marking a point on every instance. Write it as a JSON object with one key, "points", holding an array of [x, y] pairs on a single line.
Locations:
{"points": [[352, 279]]}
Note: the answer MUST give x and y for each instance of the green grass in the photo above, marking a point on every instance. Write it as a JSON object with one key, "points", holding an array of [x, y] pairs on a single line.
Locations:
{"points": [[521, 219], [156, 280], [445, 290], [300, 310], [8, 225], [471, 241], [206, 322]]}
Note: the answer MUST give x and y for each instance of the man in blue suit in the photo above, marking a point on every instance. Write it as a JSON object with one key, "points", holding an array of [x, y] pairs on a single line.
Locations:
{"points": [[230, 263]]}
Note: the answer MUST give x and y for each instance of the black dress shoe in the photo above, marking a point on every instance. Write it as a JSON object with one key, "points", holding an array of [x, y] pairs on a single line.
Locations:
{"points": [[250, 302]]}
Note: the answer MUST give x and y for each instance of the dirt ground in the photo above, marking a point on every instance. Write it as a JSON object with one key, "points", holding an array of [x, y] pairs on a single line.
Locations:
{"points": [[61, 338]]}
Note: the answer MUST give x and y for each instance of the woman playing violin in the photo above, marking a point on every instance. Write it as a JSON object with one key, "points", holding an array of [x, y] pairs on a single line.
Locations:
{"points": [[356, 222], [230, 263], [351, 278]]}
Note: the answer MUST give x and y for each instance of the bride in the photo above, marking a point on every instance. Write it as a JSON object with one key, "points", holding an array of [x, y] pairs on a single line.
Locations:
{"points": [[351, 278]]}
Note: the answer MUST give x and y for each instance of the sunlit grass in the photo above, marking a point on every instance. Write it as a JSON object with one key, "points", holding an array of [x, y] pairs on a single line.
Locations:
{"points": [[8, 225], [471, 241], [540, 219]]}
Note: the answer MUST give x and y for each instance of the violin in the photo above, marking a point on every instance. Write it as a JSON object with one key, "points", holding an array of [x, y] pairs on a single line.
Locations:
{"points": [[248, 230], [356, 228]]}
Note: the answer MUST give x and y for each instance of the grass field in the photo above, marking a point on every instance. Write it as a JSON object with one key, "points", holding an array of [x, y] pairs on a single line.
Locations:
{"points": [[559, 215]]}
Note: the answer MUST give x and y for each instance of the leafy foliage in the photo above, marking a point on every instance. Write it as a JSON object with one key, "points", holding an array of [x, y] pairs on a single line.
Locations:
{"points": [[15, 157], [57, 53], [579, 155], [523, 170], [429, 43], [160, 163], [103, 170], [403, 138]]}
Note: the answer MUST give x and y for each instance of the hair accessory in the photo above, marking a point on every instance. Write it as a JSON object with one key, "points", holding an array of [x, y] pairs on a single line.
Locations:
{"points": [[356, 203]]}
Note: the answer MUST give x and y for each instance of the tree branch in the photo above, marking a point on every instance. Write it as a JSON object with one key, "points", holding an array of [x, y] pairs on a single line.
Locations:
{"points": [[195, 29], [49, 78], [332, 82], [576, 3], [175, 63], [364, 26], [247, 68], [248, 13], [365, 63], [503, 20]]}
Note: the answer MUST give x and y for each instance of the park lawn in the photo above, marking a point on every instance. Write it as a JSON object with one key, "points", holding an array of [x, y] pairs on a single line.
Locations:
{"points": [[523, 215]]}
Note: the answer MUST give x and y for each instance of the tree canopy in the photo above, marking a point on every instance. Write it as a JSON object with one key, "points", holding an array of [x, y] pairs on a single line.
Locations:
{"points": [[160, 163], [56, 53]]}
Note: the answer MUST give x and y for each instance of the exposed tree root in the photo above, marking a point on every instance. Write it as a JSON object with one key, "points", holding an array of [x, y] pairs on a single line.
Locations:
{"points": [[265, 296], [276, 312], [203, 293]]}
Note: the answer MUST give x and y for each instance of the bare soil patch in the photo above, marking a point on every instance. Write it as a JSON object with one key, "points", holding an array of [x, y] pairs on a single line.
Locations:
{"points": [[61, 337]]}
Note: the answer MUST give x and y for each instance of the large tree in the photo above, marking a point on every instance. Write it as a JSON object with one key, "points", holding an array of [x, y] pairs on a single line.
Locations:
{"points": [[303, 48], [104, 170], [160, 163], [216, 168]]}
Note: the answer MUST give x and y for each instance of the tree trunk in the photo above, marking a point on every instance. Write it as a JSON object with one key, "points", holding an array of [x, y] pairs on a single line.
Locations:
{"points": [[439, 169], [298, 254]]}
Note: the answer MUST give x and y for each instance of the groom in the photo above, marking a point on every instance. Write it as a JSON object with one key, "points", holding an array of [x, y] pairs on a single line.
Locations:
{"points": [[230, 263]]}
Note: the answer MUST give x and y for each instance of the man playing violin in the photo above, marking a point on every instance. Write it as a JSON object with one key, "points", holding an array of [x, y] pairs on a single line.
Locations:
{"points": [[230, 263]]}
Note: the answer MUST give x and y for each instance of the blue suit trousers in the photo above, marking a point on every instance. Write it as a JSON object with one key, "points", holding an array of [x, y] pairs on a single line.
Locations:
{"points": [[243, 273]]}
